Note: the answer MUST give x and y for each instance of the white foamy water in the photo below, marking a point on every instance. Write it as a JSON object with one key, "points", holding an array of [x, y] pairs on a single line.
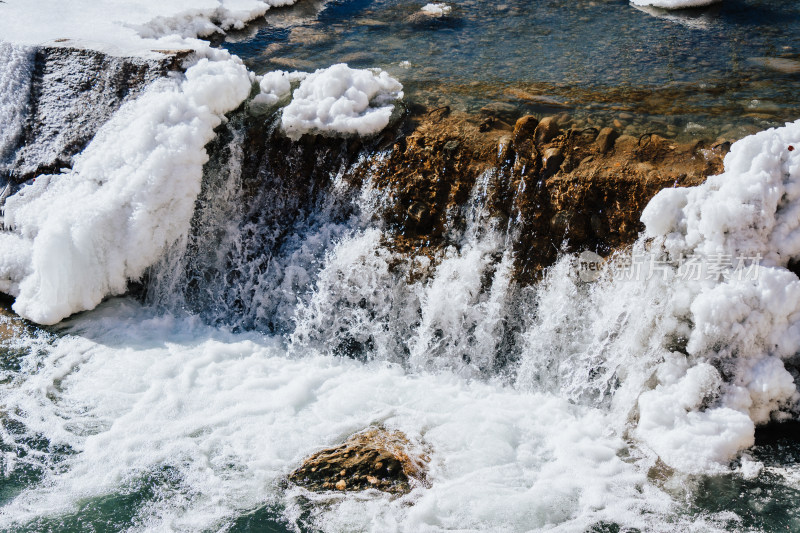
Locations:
{"points": [[133, 392]]}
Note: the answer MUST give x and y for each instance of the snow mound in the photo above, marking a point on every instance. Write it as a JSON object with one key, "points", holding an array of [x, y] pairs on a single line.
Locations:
{"points": [[277, 85], [80, 236], [341, 100], [675, 4], [436, 9]]}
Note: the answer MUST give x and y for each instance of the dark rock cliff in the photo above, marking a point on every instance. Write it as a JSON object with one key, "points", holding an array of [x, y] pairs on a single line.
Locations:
{"points": [[73, 92]]}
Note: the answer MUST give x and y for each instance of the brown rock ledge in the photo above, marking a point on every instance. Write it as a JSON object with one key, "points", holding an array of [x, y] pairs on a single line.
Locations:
{"points": [[559, 188]]}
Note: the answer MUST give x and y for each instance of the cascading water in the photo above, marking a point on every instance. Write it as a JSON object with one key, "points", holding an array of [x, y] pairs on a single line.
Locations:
{"points": [[275, 314]]}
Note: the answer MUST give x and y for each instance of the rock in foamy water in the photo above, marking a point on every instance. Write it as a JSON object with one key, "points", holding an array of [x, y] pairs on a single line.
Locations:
{"points": [[373, 459]]}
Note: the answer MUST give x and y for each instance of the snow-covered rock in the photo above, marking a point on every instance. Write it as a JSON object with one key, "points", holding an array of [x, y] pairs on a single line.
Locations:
{"points": [[341, 100]]}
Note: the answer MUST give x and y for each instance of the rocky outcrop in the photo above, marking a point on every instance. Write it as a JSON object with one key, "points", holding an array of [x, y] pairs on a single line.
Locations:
{"points": [[555, 188], [376, 458], [10, 324], [73, 92]]}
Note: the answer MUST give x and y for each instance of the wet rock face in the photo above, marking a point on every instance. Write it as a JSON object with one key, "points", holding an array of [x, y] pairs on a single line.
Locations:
{"points": [[376, 458], [73, 93], [555, 188]]}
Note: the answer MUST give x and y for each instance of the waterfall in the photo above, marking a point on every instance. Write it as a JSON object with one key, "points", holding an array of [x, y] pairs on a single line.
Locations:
{"points": [[248, 302]]}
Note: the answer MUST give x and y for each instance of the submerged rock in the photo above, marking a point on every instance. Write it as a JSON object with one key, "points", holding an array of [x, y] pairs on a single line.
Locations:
{"points": [[376, 458], [777, 64]]}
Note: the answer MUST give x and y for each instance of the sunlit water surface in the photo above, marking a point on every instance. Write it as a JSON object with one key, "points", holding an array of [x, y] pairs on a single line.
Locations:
{"points": [[726, 70]]}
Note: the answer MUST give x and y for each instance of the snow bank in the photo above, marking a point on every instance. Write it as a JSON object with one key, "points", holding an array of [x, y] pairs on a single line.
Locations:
{"points": [[80, 236], [126, 28], [674, 4], [340, 99], [745, 324]]}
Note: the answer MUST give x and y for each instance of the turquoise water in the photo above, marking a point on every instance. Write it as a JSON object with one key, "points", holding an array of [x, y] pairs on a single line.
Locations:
{"points": [[696, 72], [768, 503]]}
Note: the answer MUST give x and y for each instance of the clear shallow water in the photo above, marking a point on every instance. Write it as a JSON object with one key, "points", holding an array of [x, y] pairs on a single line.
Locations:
{"points": [[698, 72]]}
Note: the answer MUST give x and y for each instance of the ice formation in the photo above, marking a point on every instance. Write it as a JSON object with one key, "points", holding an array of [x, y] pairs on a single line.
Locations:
{"points": [[129, 196], [675, 4], [15, 78], [342, 100], [277, 85], [746, 322]]}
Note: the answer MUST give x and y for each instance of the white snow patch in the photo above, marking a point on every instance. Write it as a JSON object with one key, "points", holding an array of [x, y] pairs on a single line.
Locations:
{"points": [[80, 236], [275, 86], [683, 435], [437, 9], [126, 28], [747, 325], [342, 100], [675, 4]]}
